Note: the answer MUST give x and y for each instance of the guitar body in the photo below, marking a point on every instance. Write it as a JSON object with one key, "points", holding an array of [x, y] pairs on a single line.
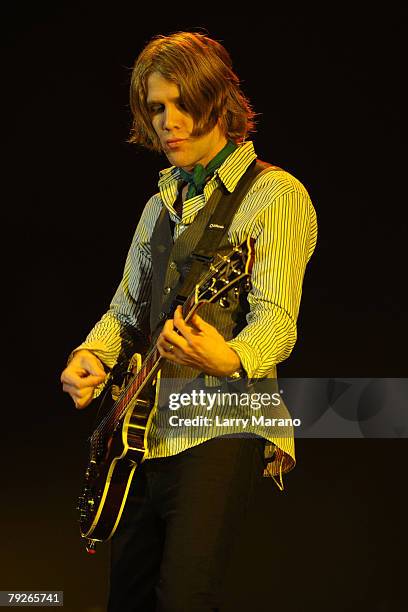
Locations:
{"points": [[118, 444], [112, 463]]}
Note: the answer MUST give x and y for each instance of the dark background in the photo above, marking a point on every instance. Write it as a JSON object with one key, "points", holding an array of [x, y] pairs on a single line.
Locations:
{"points": [[327, 84]]}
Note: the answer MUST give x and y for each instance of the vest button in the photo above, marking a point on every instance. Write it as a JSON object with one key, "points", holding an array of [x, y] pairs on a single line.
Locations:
{"points": [[172, 265], [166, 290]]}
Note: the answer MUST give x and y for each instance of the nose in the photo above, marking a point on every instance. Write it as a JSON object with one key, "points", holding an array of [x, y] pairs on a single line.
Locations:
{"points": [[171, 118]]}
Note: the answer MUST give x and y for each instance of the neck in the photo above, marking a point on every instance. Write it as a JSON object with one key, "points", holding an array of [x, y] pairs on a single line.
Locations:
{"points": [[222, 152], [199, 176]]}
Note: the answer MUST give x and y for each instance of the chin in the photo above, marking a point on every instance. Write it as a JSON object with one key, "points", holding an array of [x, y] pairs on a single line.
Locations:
{"points": [[179, 160]]}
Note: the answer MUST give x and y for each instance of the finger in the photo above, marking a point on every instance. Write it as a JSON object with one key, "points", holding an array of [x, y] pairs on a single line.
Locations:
{"points": [[90, 366], [81, 381], [96, 370], [178, 317], [168, 351], [168, 344], [76, 393], [174, 338], [189, 330], [168, 326], [70, 389], [91, 381], [185, 330], [87, 381], [199, 323], [83, 402], [178, 313]]}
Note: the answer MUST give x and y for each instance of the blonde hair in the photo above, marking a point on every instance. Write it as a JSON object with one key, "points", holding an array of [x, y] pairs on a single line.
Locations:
{"points": [[209, 89]]}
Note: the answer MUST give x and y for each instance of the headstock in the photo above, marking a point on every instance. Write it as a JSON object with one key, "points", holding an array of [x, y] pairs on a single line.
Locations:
{"points": [[227, 270]]}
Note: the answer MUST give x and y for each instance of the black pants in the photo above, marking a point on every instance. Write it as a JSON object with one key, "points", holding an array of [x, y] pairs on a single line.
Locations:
{"points": [[183, 513]]}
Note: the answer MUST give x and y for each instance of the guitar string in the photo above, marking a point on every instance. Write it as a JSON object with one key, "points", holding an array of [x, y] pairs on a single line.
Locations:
{"points": [[110, 418], [125, 399], [127, 396]]}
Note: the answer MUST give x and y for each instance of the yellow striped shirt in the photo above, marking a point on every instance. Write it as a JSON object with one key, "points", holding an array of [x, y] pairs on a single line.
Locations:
{"points": [[278, 213]]}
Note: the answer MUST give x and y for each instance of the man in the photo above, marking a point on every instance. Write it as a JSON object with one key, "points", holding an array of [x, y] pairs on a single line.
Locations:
{"points": [[187, 499]]}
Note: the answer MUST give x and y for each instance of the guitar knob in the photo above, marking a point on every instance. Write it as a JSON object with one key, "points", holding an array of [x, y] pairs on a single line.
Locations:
{"points": [[90, 547]]}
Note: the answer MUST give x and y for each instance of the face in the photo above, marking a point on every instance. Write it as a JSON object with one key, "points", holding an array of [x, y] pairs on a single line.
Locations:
{"points": [[174, 126]]}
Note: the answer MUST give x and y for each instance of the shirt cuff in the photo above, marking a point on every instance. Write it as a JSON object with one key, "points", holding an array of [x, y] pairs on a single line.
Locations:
{"points": [[99, 350], [249, 356]]}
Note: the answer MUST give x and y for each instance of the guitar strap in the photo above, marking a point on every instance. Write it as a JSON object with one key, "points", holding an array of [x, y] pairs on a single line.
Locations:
{"points": [[217, 227]]}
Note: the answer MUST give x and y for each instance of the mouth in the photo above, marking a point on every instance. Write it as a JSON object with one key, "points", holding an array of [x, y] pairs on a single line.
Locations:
{"points": [[175, 142]]}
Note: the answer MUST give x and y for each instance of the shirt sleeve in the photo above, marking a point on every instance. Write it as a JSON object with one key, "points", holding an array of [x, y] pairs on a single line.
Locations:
{"points": [[285, 237], [118, 332]]}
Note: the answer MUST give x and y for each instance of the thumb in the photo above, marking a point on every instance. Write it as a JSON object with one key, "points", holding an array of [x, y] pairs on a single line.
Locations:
{"points": [[95, 369], [98, 372]]}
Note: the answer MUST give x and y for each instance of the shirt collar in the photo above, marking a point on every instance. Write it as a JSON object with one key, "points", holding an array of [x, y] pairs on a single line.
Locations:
{"points": [[229, 172]]}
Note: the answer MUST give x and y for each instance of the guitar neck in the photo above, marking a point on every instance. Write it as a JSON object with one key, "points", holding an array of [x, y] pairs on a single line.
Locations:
{"points": [[148, 371], [223, 274]]}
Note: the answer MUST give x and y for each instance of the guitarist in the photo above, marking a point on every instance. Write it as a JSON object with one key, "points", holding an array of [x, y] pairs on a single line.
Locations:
{"points": [[188, 497]]}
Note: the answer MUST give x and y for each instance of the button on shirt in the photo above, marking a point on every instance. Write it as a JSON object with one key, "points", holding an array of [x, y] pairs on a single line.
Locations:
{"points": [[278, 214]]}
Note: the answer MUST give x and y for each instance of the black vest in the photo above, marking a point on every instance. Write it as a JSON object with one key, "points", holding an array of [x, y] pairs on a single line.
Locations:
{"points": [[170, 264]]}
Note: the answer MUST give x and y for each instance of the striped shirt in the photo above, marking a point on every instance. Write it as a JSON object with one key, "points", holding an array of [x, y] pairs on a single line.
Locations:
{"points": [[277, 212]]}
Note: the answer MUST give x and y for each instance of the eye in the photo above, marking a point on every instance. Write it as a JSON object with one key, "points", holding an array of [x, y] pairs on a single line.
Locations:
{"points": [[154, 109]]}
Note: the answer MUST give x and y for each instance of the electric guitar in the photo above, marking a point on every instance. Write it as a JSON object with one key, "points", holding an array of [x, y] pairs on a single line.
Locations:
{"points": [[119, 442]]}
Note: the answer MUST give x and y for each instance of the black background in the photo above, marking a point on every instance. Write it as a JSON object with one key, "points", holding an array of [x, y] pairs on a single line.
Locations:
{"points": [[327, 83]]}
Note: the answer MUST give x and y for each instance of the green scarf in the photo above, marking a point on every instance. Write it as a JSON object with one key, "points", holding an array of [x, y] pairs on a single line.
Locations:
{"points": [[198, 178]]}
